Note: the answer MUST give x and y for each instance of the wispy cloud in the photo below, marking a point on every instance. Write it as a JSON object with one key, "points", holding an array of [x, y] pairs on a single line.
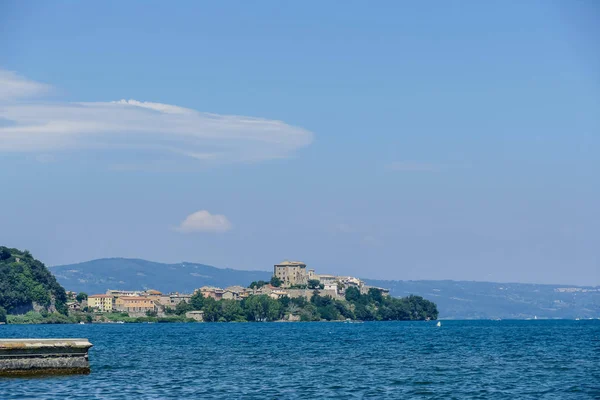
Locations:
{"points": [[204, 221], [13, 87], [52, 126], [407, 166]]}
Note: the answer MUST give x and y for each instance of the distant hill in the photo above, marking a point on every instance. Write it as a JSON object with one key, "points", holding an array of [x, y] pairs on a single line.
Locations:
{"points": [[455, 299], [134, 274], [26, 283], [486, 300]]}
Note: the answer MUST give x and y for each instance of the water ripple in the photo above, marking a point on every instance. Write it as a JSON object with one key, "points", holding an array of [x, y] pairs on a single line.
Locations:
{"points": [[461, 360]]}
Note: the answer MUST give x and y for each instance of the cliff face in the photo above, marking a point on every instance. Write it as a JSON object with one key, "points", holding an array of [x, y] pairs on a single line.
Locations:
{"points": [[26, 284]]}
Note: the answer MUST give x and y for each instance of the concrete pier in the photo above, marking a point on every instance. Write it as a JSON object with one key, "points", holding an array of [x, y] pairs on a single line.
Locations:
{"points": [[24, 357]]}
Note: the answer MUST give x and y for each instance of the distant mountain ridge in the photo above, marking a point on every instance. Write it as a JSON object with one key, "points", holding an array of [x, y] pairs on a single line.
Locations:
{"points": [[97, 276], [455, 299]]}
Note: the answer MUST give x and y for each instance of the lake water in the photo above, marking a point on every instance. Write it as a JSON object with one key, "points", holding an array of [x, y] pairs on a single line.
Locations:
{"points": [[460, 359]]}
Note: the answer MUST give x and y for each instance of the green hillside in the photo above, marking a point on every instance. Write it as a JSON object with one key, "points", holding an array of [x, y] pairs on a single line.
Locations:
{"points": [[25, 282]]}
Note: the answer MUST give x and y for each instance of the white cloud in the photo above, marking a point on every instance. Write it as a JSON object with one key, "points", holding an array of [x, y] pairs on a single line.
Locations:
{"points": [[14, 86], [407, 166], [132, 124], [203, 221]]}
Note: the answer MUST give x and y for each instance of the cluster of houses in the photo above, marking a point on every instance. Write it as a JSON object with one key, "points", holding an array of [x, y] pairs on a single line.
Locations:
{"points": [[293, 276]]}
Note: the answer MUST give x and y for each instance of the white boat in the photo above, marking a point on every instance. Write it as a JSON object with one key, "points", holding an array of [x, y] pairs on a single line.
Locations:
{"points": [[439, 323], [81, 323]]}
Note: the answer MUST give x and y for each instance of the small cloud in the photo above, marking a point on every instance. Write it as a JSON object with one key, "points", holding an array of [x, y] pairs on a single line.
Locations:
{"points": [[407, 166], [203, 221]]}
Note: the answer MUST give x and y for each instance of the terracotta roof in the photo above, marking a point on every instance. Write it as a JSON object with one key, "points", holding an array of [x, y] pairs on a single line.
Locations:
{"points": [[99, 296]]}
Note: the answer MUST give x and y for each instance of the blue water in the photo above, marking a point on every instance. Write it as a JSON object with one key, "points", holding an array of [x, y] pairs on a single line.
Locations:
{"points": [[461, 360]]}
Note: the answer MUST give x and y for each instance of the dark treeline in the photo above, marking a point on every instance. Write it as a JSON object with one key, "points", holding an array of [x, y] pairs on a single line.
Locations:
{"points": [[25, 280], [372, 306]]}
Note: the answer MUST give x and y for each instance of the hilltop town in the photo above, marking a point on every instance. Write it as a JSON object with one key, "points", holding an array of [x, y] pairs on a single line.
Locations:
{"points": [[291, 279], [31, 295]]}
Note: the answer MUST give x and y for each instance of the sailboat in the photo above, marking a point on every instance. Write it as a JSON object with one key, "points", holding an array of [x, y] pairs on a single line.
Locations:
{"points": [[439, 323]]}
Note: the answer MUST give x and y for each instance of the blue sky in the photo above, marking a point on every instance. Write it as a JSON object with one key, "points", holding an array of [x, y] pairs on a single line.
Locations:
{"points": [[384, 140]]}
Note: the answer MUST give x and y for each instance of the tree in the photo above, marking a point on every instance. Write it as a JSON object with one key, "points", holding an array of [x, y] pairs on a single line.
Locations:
{"points": [[375, 295], [231, 310], [255, 309], [197, 300], [352, 294], [276, 281], [309, 313], [293, 309], [81, 296], [313, 283], [262, 308], [212, 310], [257, 284], [274, 310], [2, 314], [182, 307], [4, 254], [284, 301], [329, 312]]}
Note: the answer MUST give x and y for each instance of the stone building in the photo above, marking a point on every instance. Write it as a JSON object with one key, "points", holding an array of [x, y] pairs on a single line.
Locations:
{"points": [[136, 304], [211, 291], [291, 273], [172, 299], [195, 315]]}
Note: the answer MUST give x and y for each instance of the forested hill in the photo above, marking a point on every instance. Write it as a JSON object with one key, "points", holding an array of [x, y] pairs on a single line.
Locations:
{"points": [[25, 282]]}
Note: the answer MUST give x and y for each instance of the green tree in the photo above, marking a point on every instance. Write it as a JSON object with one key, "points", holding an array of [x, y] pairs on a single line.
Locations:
{"points": [[329, 312], [197, 300], [254, 308], [182, 307], [81, 296], [262, 308], [375, 295], [344, 310], [274, 310], [284, 301], [276, 281], [212, 310], [4, 253], [309, 313], [352, 294], [313, 283], [2, 314], [257, 284], [231, 310], [364, 313]]}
